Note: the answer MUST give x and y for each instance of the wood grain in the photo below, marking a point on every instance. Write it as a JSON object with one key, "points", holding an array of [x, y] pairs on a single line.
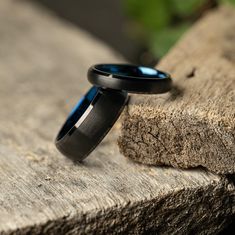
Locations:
{"points": [[194, 125], [43, 64]]}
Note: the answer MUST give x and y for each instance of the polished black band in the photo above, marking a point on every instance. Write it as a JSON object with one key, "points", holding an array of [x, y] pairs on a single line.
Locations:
{"points": [[131, 78], [89, 122]]}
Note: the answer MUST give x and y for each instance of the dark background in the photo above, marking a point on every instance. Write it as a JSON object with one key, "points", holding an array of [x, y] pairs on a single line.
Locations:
{"points": [[141, 30]]}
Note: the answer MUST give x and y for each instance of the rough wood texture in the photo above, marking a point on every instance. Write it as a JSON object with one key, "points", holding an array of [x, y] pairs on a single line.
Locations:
{"points": [[43, 66], [194, 125]]}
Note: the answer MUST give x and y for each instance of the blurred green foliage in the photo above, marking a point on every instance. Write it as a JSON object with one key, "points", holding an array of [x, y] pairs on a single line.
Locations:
{"points": [[160, 23]]}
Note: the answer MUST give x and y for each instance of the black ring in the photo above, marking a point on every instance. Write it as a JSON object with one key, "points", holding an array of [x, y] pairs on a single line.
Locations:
{"points": [[89, 122], [131, 78]]}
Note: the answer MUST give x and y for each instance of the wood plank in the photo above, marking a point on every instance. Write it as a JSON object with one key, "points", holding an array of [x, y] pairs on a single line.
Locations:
{"points": [[43, 64], [194, 125]]}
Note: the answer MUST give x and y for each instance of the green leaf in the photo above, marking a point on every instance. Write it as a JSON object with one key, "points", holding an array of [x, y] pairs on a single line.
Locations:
{"points": [[152, 14], [227, 1], [186, 7], [163, 40]]}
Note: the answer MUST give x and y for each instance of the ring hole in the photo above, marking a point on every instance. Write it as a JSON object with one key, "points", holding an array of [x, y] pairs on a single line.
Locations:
{"points": [[131, 71], [77, 112]]}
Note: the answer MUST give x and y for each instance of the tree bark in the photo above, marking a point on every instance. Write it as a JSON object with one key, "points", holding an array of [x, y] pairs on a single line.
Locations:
{"points": [[194, 124]]}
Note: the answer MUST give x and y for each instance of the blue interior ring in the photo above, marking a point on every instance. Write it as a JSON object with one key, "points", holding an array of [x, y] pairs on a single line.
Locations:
{"points": [[131, 71], [78, 110]]}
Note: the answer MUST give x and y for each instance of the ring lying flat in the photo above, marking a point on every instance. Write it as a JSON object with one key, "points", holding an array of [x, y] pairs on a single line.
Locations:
{"points": [[89, 122], [130, 78]]}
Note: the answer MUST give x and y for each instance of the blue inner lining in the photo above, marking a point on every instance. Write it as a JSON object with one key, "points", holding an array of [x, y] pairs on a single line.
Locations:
{"points": [[78, 110], [131, 71]]}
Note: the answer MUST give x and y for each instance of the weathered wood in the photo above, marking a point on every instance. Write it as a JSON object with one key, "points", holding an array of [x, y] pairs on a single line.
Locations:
{"points": [[43, 66], [194, 125]]}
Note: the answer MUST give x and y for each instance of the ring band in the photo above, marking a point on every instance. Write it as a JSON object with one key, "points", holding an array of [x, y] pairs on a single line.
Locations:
{"points": [[130, 78], [96, 112], [89, 122]]}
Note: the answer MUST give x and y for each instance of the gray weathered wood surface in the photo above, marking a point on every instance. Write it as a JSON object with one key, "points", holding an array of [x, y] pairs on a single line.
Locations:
{"points": [[43, 64], [194, 125]]}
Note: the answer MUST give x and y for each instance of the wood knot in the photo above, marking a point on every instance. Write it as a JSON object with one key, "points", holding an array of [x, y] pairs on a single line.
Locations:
{"points": [[191, 74]]}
